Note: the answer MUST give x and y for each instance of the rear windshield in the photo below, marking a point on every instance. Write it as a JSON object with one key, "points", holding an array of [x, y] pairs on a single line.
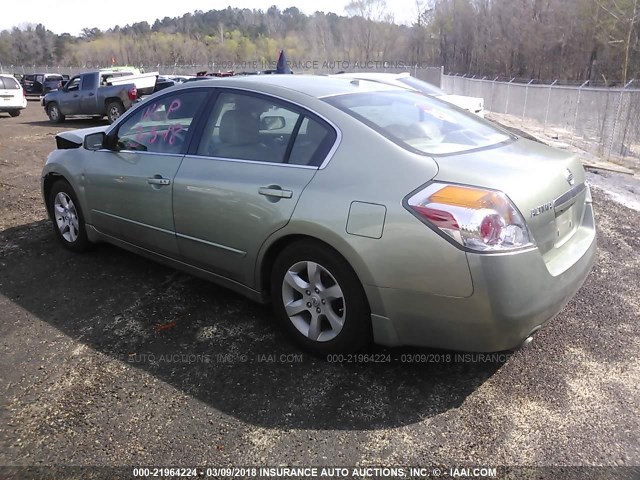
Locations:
{"points": [[10, 83], [421, 86], [419, 123]]}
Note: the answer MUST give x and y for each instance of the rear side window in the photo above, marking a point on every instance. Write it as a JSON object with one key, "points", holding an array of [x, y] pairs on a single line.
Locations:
{"points": [[9, 83], [88, 82], [259, 128], [312, 144]]}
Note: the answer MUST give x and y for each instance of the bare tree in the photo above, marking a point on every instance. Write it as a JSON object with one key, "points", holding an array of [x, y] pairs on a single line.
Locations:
{"points": [[626, 16]]}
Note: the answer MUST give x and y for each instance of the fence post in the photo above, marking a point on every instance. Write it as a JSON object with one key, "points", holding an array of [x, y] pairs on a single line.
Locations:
{"points": [[546, 114], [526, 96], [493, 91], [506, 106], [575, 118], [615, 121], [623, 150]]}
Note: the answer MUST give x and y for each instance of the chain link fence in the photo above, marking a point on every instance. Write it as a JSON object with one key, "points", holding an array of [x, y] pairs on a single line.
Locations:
{"points": [[602, 121], [428, 74]]}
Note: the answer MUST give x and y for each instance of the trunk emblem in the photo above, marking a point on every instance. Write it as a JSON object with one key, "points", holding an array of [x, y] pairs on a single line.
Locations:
{"points": [[541, 209], [568, 175]]}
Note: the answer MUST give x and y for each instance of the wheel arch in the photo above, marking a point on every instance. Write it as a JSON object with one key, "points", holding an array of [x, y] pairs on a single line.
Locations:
{"points": [[275, 245], [50, 177], [47, 183], [109, 100]]}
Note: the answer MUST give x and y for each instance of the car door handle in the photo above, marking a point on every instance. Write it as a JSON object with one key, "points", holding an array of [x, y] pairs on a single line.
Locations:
{"points": [[91, 94], [76, 95], [275, 191], [158, 181]]}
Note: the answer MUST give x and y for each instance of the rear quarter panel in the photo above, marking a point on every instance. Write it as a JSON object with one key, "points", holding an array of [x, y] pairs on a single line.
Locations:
{"points": [[369, 168]]}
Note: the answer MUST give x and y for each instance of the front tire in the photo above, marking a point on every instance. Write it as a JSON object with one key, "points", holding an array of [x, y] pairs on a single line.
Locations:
{"points": [[319, 299], [67, 217], [54, 113], [114, 110], [14, 113]]}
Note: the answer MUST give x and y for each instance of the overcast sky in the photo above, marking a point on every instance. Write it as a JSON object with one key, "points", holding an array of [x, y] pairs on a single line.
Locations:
{"points": [[72, 16]]}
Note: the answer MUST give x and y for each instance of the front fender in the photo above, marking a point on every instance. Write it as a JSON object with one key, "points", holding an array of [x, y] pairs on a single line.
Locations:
{"points": [[71, 169]]}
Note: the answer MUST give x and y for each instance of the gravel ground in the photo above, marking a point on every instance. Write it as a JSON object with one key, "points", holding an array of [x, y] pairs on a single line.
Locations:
{"points": [[109, 359]]}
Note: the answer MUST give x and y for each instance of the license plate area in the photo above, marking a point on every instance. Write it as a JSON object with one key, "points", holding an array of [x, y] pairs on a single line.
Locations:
{"points": [[568, 210], [566, 225]]}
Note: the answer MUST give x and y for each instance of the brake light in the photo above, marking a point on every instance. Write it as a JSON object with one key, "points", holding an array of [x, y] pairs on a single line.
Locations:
{"points": [[479, 219], [133, 93]]}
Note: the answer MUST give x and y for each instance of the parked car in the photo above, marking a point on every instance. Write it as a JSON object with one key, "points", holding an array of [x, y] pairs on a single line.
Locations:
{"points": [[84, 95], [162, 83], [181, 78], [12, 98], [405, 80], [361, 211], [38, 84]]}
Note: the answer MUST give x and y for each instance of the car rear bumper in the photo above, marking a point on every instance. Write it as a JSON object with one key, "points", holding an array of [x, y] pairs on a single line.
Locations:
{"points": [[513, 295], [14, 105]]}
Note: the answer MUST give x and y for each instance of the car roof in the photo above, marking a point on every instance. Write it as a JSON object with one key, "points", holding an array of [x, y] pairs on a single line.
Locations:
{"points": [[312, 85], [377, 76]]}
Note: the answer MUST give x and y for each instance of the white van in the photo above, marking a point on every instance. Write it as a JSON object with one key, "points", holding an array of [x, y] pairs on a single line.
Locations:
{"points": [[12, 98]]}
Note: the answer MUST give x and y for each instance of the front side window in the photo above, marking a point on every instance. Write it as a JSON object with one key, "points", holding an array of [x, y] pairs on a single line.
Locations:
{"points": [[161, 125], [74, 84], [419, 123], [248, 127]]}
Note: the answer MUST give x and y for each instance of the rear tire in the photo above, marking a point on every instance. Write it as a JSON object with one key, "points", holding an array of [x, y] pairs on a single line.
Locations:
{"points": [[319, 299], [67, 218], [55, 115], [14, 113], [114, 110]]}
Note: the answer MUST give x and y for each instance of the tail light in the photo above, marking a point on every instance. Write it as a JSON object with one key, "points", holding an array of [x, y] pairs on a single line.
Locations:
{"points": [[133, 93], [478, 219]]}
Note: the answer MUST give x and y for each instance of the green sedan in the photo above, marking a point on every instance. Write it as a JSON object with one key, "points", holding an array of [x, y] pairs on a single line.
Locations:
{"points": [[361, 211]]}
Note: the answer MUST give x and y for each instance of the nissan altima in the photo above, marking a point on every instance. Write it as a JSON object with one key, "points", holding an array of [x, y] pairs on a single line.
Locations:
{"points": [[363, 212]]}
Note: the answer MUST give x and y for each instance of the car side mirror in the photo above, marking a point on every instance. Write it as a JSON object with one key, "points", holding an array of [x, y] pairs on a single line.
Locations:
{"points": [[95, 141], [272, 123]]}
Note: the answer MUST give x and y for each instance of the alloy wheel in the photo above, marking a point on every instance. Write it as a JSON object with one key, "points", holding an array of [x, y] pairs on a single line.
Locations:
{"points": [[66, 217], [313, 300]]}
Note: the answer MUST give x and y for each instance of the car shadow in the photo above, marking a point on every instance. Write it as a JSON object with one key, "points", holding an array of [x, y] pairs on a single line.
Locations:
{"points": [[219, 347]]}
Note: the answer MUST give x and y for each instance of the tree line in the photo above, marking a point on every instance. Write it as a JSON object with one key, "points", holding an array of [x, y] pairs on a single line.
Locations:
{"points": [[566, 40]]}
